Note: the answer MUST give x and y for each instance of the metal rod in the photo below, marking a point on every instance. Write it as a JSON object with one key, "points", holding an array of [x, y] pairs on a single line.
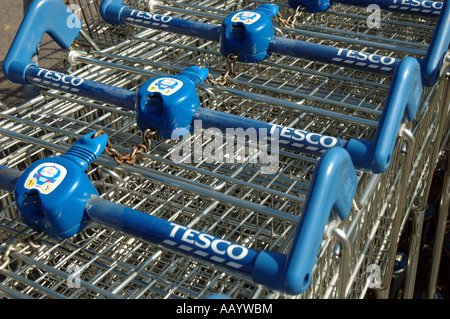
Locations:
{"points": [[440, 233]]}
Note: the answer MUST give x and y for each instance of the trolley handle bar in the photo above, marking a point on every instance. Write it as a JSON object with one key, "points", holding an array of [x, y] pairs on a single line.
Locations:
{"points": [[440, 44], [43, 16], [419, 7], [83, 87], [252, 44], [431, 65], [290, 273]]}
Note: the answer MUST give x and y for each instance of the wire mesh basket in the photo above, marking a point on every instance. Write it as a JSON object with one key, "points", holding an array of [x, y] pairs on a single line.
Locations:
{"points": [[220, 197]]}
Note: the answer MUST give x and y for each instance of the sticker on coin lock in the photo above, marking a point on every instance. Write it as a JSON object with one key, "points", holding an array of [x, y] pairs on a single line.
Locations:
{"points": [[46, 177], [165, 86], [247, 17]]}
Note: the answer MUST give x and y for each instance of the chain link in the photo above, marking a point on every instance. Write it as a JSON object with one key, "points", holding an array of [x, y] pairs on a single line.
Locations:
{"points": [[32, 241], [290, 21], [232, 59], [129, 158]]}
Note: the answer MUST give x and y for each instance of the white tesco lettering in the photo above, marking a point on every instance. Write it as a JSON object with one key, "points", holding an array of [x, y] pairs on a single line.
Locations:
{"points": [[205, 241], [416, 3], [59, 77], [149, 16], [300, 135], [362, 56]]}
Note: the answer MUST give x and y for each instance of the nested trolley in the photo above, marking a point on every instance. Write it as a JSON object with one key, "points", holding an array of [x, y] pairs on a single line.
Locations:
{"points": [[216, 197]]}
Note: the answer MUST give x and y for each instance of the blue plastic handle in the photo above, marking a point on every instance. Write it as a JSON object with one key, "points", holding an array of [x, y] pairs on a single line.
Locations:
{"points": [[335, 176], [250, 34], [439, 45], [114, 12], [421, 7], [332, 189], [432, 64], [43, 16], [333, 55], [82, 87], [401, 104], [73, 203]]}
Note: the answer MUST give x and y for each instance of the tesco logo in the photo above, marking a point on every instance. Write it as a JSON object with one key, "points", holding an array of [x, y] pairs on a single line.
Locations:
{"points": [[205, 241]]}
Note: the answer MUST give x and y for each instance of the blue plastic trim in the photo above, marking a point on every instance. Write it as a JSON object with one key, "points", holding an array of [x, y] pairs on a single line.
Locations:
{"points": [[420, 7], [311, 5], [43, 16], [51, 194], [337, 56], [438, 47], [401, 104], [110, 11], [73, 203], [334, 176]]}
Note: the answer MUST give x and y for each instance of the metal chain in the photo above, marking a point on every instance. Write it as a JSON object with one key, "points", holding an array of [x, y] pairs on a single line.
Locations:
{"points": [[232, 58], [32, 240], [290, 21], [129, 158]]}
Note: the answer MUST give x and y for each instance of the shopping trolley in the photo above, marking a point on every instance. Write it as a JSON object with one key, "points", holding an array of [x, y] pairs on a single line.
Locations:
{"points": [[168, 118], [433, 55], [47, 176], [398, 35], [328, 272], [64, 212]]}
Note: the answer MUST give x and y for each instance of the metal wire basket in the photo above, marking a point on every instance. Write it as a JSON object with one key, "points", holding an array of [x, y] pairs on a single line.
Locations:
{"points": [[219, 198]]}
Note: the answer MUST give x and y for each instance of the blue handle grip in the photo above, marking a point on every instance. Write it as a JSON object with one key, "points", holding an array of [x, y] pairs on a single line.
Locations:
{"points": [[438, 47], [250, 35], [43, 16], [427, 8], [337, 56], [332, 189], [82, 87], [114, 12], [402, 102], [73, 203]]}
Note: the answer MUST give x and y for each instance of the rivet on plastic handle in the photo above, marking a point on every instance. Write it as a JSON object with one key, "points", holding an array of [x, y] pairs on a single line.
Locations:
{"points": [[43, 16], [51, 194], [332, 189]]}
